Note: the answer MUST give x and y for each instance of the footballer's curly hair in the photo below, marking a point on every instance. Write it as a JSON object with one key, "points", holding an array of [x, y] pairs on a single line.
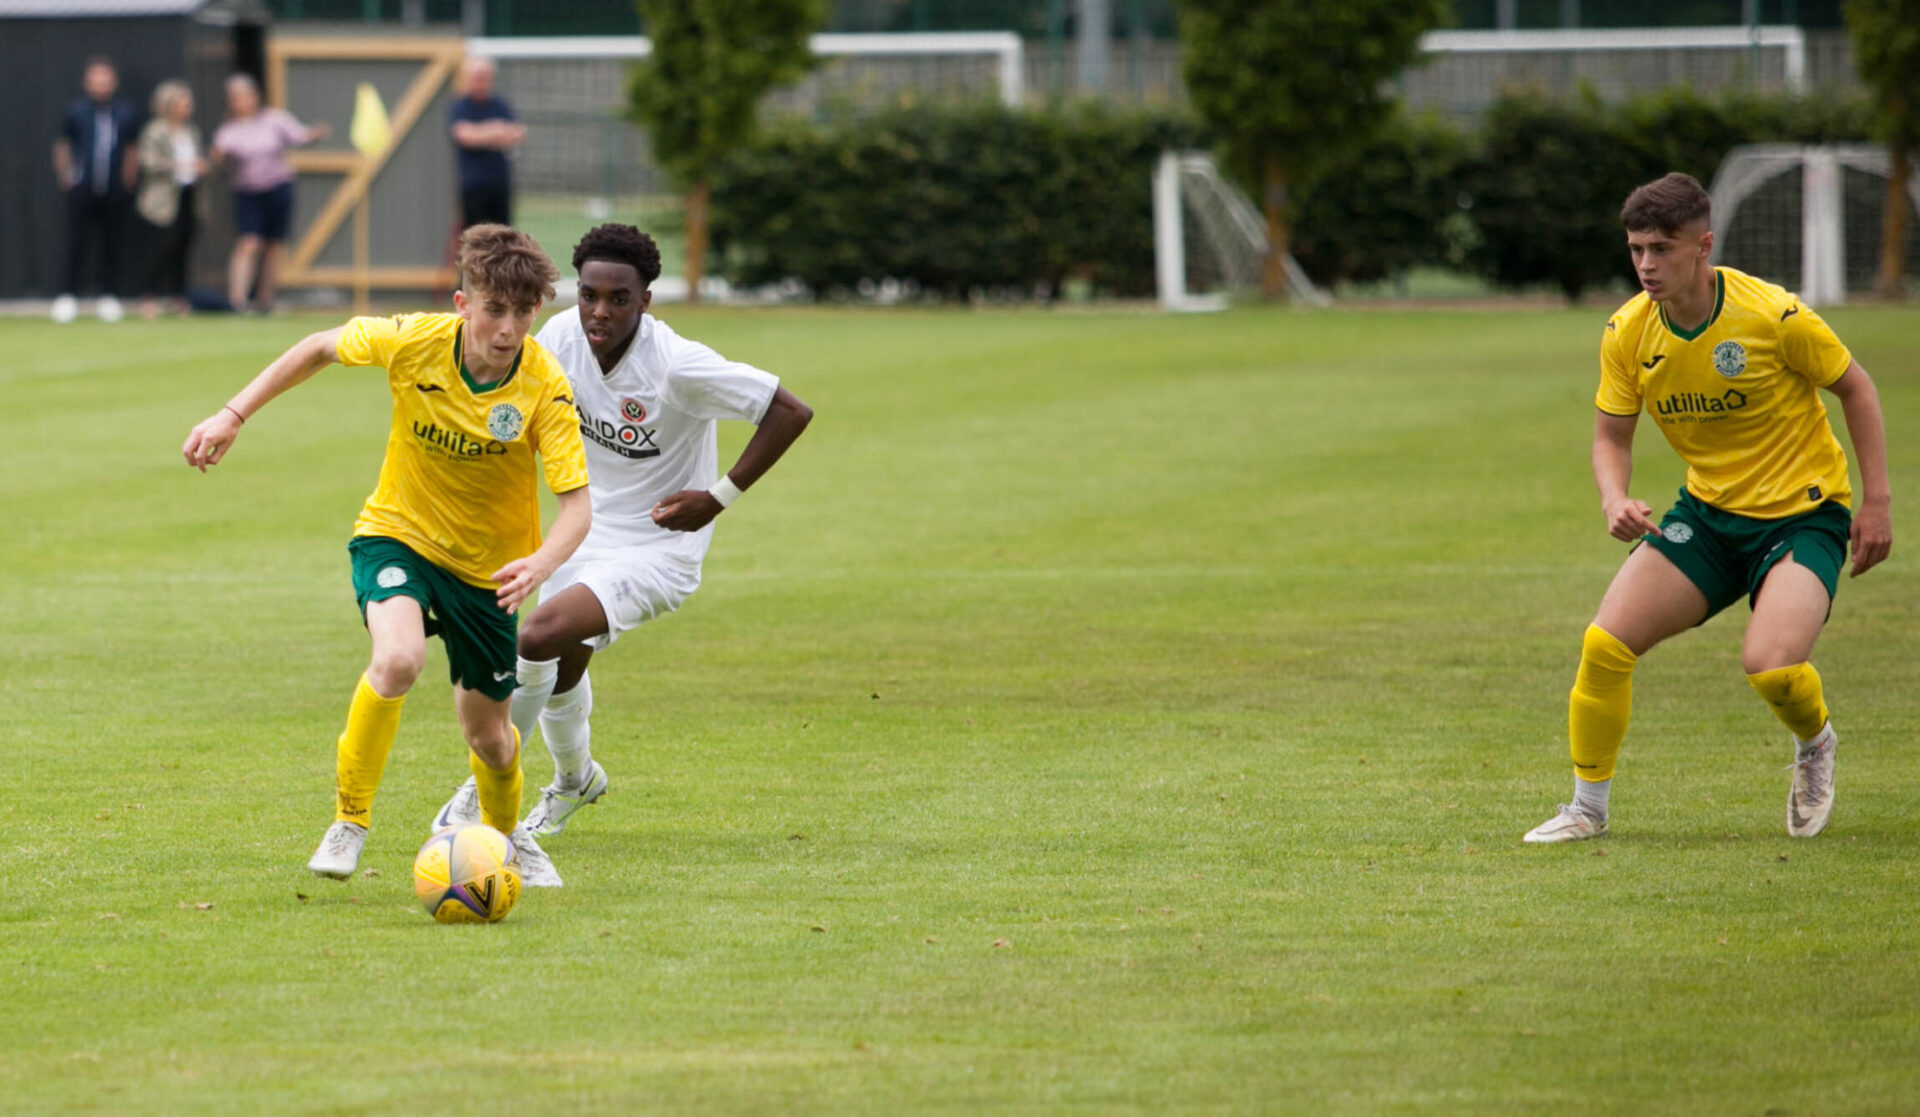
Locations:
{"points": [[506, 264], [1666, 205], [620, 244]]}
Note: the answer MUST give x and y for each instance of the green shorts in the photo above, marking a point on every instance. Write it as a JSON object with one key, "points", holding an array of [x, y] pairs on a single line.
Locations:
{"points": [[1728, 555], [478, 633]]}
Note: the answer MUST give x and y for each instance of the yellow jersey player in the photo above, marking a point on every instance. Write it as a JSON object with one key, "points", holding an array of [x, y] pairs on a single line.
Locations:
{"points": [[449, 543], [1730, 368], [648, 400]]}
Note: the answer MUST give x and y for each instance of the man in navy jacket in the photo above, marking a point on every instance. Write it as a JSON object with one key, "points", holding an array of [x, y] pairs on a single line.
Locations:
{"points": [[96, 160], [484, 129]]}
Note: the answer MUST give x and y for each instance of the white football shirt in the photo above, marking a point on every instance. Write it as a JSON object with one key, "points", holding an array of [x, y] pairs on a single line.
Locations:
{"points": [[648, 426]]}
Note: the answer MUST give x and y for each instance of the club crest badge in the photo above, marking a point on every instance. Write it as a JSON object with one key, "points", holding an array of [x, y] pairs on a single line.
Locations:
{"points": [[1677, 532], [504, 422], [1729, 359], [632, 410], [390, 577]]}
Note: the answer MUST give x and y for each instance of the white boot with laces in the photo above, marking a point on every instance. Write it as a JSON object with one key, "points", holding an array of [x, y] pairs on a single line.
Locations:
{"points": [[339, 852], [461, 810], [1569, 824], [1810, 800], [536, 868]]}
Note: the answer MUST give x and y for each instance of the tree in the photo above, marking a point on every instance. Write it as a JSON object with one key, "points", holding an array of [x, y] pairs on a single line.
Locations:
{"points": [[1886, 46], [1291, 84], [712, 61]]}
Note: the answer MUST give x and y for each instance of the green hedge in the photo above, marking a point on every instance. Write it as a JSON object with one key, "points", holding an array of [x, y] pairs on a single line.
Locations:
{"points": [[1385, 208], [1549, 177], [1681, 131], [949, 201], [957, 200], [1532, 197], [1545, 189]]}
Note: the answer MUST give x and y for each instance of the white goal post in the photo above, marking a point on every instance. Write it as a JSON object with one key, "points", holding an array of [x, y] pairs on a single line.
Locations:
{"points": [[1820, 225], [1228, 242]]}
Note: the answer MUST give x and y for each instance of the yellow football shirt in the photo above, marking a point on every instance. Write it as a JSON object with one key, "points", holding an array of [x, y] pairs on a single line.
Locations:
{"points": [[458, 481], [1736, 398]]}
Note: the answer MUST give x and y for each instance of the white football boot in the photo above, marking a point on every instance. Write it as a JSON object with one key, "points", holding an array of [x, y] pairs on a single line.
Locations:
{"points": [[461, 810], [1570, 824], [549, 816], [339, 852], [1810, 800], [65, 309], [109, 309], [536, 868]]}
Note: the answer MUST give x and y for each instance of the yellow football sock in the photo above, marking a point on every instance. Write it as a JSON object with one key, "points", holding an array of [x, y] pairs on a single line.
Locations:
{"points": [[372, 721], [499, 791], [1795, 695], [1600, 704]]}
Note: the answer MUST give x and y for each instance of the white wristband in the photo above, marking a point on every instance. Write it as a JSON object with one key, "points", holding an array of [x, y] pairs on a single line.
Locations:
{"points": [[725, 491]]}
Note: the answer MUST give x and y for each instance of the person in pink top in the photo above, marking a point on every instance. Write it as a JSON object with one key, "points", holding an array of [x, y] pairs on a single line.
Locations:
{"points": [[253, 143]]}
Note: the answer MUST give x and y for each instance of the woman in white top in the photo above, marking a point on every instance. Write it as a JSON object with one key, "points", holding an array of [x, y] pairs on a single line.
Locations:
{"points": [[172, 159]]}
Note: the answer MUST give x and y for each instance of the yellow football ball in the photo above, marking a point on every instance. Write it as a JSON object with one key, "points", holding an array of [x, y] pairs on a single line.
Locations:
{"points": [[467, 874]]}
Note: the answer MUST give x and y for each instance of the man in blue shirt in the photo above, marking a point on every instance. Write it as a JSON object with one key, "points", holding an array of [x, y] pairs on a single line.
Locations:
{"points": [[484, 129], [97, 163]]}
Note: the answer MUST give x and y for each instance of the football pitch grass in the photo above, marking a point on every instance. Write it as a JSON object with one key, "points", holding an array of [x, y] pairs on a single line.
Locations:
{"points": [[1103, 711]]}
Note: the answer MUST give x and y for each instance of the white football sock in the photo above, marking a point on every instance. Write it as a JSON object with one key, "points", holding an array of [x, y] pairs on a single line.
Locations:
{"points": [[568, 734], [1591, 796], [1808, 748], [536, 687]]}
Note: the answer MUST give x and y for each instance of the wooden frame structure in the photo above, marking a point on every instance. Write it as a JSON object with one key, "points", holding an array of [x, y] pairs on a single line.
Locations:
{"points": [[440, 60]]}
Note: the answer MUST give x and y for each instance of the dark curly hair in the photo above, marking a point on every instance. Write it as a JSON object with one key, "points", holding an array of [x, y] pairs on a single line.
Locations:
{"points": [[620, 244]]}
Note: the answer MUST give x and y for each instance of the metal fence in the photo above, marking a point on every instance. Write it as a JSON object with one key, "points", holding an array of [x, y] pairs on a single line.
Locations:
{"points": [[1044, 18]]}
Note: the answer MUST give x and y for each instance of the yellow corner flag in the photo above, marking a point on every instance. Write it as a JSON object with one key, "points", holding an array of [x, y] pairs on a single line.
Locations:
{"points": [[369, 131]]}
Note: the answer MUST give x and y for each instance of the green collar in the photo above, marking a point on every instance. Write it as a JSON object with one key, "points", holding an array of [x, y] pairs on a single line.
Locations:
{"points": [[460, 358], [1719, 300]]}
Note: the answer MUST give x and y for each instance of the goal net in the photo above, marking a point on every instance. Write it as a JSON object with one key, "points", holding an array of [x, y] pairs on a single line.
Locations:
{"points": [[1807, 218], [1209, 240]]}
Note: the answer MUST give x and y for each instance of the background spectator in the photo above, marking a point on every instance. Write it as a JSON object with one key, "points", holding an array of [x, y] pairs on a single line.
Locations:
{"points": [[171, 163], [95, 163], [484, 128], [254, 140]]}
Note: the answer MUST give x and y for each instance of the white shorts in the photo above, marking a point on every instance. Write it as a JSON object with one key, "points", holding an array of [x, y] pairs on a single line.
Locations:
{"points": [[634, 585]]}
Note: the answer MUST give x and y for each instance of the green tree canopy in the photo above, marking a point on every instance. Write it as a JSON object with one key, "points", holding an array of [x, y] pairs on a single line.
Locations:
{"points": [[1886, 47], [712, 61], [1292, 84]]}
